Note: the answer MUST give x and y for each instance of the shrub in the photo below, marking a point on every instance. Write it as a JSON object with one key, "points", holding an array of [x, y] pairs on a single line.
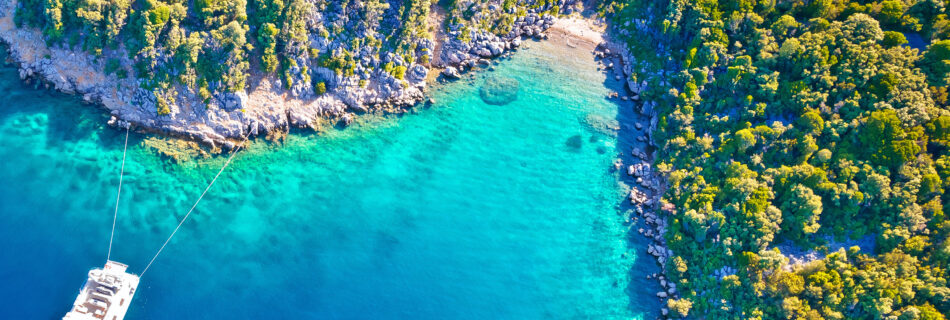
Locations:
{"points": [[162, 106], [399, 72], [320, 88]]}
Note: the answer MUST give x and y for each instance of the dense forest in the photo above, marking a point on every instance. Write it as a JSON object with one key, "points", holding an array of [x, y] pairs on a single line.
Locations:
{"points": [[800, 124]]}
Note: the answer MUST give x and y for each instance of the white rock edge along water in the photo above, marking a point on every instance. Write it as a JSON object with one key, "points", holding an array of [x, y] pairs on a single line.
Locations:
{"points": [[648, 184], [614, 60], [458, 56], [265, 108]]}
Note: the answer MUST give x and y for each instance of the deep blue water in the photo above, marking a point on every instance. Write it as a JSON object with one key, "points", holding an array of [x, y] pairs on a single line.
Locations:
{"points": [[463, 210], [914, 40]]}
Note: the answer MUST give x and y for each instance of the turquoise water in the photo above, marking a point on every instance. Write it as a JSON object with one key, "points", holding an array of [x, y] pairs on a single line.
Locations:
{"points": [[463, 210]]}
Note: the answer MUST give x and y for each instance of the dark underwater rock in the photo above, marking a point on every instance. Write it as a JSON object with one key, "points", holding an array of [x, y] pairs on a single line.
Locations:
{"points": [[498, 90], [575, 142]]}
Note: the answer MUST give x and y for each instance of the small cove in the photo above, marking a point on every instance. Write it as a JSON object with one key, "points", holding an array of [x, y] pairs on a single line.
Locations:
{"points": [[463, 210]]}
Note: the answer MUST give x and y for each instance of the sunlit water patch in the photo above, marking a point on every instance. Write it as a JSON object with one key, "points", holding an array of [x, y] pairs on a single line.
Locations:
{"points": [[463, 210]]}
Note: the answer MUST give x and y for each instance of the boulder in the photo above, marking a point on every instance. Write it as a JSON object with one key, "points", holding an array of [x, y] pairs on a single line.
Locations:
{"points": [[633, 86], [418, 72], [451, 73], [454, 59], [495, 48], [234, 100]]}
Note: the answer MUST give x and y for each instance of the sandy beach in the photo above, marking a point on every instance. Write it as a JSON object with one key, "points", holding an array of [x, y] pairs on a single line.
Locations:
{"points": [[576, 32]]}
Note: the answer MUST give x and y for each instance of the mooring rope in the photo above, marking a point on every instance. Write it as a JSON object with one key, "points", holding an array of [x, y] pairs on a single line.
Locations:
{"points": [[118, 193], [226, 163]]}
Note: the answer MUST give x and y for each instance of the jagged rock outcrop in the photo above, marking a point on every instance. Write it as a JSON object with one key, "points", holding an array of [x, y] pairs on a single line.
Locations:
{"points": [[463, 55], [226, 116]]}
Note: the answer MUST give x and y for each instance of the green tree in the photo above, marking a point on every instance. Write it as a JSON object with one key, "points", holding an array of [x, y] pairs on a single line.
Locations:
{"points": [[883, 138], [784, 25], [810, 123], [679, 307], [893, 39], [54, 17], [891, 12], [801, 210], [936, 63], [744, 139], [267, 37]]}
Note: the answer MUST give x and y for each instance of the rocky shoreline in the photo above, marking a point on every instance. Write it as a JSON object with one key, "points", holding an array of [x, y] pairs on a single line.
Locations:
{"points": [[264, 107], [459, 56], [647, 184]]}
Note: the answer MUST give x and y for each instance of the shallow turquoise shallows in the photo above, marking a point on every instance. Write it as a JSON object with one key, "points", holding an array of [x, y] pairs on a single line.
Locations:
{"points": [[462, 210]]}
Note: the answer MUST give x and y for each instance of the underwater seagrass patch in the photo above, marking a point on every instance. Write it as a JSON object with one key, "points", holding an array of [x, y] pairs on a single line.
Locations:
{"points": [[498, 90]]}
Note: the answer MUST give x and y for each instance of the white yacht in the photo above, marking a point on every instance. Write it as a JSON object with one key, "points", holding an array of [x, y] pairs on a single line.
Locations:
{"points": [[106, 295]]}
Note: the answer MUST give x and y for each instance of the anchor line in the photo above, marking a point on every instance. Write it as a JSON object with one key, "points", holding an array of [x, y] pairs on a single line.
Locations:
{"points": [[193, 206], [118, 192]]}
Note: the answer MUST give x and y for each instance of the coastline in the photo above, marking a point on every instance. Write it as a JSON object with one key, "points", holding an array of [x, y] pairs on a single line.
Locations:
{"points": [[266, 108], [644, 209], [645, 212], [262, 108], [577, 32], [698, 148], [304, 190]]}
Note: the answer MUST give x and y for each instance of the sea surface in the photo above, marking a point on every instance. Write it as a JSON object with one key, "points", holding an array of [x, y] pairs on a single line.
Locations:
{"points": [[460, 210]]}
